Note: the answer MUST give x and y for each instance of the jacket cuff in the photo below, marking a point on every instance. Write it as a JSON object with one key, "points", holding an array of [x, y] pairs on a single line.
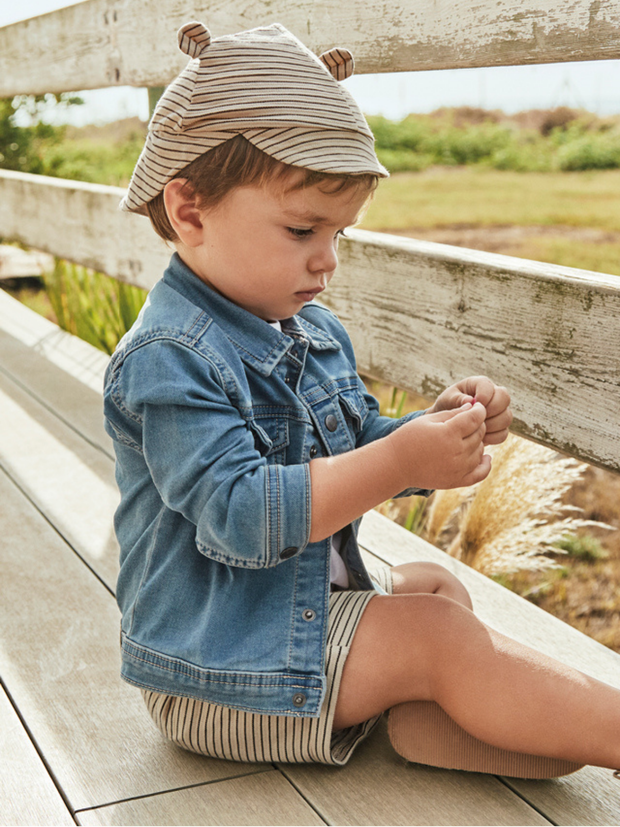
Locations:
{"points": [[289, 511]]}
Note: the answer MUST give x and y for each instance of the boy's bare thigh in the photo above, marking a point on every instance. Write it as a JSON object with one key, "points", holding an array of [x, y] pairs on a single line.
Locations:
{"points": [[395, 649], [399, 643]]}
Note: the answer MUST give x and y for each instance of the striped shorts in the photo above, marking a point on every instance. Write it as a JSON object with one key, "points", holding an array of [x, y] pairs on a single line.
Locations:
{"points": [[235, 735]]}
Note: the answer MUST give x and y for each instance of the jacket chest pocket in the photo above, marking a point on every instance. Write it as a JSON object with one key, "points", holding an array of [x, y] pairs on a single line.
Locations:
{"points": [[271, 438]]}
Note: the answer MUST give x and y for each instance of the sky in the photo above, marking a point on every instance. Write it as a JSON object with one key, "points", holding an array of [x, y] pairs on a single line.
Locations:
{"points": [[591, 85]]}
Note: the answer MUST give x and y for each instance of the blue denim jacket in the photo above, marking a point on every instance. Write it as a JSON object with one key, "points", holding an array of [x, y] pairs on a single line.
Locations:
{"points": [[215, 416]]}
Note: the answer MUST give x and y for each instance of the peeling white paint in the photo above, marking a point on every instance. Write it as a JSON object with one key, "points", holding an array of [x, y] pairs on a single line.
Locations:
{"points": [[111, 42]]}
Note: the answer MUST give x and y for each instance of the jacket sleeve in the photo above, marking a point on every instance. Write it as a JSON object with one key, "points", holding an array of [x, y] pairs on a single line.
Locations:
{"points": [[202, 456]]}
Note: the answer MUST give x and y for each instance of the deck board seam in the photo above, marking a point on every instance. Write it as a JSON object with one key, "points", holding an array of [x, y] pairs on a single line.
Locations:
{"points": [[303, 796], [35, 505], [54, 412], [38, 750], [170, 790], [506, 783]]}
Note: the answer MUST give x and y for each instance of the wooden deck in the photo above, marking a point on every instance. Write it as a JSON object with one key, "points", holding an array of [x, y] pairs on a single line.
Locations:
{"points": [[77, 743]]}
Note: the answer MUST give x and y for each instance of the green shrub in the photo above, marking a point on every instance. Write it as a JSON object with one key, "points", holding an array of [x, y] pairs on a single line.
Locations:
{"points": [[404, 160], [590, 151], [565, 141], [22, 147], [95, 307], [97, 162]]}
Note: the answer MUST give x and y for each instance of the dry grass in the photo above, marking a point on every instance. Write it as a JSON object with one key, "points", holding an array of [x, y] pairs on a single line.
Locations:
{"points": [[585, 590], [511, 520]]}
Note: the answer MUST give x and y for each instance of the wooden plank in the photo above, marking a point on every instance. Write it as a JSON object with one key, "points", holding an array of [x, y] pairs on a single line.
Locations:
{"points": [[62, 372], [264, 798], [27, 793], [440, 313], [377, 786], [590, 796], [16, 263], [110, 42], [70, 481], [44, 338], [424, 315], [59, 658], [86, 218]]}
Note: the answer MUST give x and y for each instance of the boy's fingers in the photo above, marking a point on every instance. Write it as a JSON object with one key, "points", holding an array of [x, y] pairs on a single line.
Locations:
{"points": [[499, 403], [481, 388], [480, 472], [501, 422], [469, 419], [496, 437], [444, 416], [474, 441]]}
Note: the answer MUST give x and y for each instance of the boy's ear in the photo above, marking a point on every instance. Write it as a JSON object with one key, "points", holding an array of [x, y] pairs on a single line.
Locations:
{"points": [[183, 212]]}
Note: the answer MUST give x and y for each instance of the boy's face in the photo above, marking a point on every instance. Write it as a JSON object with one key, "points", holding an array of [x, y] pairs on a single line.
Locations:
{"points": [[271, 250]]}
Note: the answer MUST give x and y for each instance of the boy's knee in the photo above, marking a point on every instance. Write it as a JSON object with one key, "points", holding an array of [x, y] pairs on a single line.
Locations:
{"points": [[431, 578]]}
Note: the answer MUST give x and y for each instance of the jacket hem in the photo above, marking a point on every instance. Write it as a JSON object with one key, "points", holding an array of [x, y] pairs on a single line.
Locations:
{"points": [[273, 693]]}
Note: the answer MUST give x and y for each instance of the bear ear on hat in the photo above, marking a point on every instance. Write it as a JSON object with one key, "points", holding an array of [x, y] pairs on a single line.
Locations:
{"points": [[339, 63], [193, 37]]}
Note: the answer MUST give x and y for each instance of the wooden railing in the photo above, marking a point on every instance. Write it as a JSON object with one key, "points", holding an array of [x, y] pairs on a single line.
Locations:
{"points": [[421, 315]]}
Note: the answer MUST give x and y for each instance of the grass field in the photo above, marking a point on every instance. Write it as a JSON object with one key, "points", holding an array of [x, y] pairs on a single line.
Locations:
{"points": [[568, 218]]}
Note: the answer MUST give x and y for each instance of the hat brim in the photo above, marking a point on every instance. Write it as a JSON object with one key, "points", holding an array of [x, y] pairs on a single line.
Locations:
{"points": [[331, 151]]}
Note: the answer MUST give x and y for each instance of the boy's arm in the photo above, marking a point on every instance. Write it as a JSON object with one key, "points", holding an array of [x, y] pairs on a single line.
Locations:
{"points": [[438, 450], [171, 407]]}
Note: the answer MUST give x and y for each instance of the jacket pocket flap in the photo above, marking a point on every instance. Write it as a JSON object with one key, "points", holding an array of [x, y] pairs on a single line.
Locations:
{"points": [[271, 435], [354, 406]]}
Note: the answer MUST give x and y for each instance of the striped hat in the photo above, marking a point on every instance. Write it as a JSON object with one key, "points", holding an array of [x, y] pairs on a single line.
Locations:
{"points": [[263, 84]]}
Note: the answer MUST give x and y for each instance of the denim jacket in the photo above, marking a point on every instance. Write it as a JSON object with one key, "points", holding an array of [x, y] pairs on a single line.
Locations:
{"points": [[215, 416]]}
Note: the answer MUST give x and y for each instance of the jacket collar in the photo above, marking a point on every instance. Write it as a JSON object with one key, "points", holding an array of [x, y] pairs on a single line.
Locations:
{"points": [[258, 343]]}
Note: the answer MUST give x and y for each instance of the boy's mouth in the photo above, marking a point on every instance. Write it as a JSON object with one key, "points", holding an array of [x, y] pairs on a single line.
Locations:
{"points": [[308, 295]]}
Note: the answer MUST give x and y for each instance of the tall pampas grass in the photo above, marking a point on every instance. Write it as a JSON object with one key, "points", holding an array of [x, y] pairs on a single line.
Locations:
{"points": [[512, 519]]}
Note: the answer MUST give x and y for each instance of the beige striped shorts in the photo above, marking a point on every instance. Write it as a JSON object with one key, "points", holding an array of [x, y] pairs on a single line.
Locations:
{"points": [[235, 735]]}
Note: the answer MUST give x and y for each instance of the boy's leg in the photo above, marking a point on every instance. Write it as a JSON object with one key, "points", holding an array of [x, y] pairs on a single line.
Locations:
{"points": [[429, 578], [429, 647]]}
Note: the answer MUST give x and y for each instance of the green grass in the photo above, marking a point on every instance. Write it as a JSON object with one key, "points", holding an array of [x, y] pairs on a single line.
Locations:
{"points": [[470, 196], [95, 307], [586, 255]]}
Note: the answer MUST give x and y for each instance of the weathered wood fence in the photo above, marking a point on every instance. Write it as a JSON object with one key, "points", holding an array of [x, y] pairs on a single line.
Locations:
{"points": [[421, 315]]}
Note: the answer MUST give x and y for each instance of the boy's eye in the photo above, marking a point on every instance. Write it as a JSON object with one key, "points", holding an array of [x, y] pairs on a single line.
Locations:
{"points": [[299, 233], [341, 234]]}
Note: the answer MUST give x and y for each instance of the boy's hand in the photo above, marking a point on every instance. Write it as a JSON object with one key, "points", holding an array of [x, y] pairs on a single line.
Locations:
{"points": [[442, 450], [495, 399]]}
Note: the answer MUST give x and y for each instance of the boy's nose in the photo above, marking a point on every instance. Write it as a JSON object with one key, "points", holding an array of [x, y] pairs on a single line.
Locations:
{"points": [[324, 260]]}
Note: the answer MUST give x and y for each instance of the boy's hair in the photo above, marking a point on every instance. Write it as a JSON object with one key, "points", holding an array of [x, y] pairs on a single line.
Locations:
{"points": [[237, 163]]}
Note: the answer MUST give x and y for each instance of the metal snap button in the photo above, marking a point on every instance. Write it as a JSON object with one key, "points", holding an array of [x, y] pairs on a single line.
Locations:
{"points": [[287, 379], [299, 699], [308, 614], [313, 451], [287, 552], [331, 423]]}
